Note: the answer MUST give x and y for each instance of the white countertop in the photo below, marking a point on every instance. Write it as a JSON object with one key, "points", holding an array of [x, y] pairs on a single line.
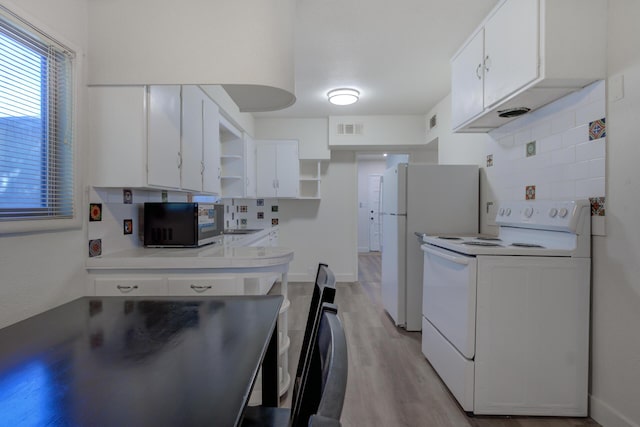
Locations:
{"points": [[229, 252]]}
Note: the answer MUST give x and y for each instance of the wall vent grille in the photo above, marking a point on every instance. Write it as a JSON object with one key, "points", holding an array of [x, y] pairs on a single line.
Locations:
{"points": [[433, 121], [350, 129]]}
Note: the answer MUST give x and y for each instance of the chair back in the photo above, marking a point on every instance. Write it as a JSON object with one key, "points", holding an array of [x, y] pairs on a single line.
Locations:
{"points": [[324, 290], [324, 381]]}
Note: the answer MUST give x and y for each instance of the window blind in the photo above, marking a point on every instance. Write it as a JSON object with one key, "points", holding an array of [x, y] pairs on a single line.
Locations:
{"points": [[36, 123]]}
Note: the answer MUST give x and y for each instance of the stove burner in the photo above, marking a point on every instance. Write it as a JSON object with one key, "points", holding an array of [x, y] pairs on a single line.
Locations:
{"points": [[491, 239], [476, 243], [526, 245], [449, 238]]}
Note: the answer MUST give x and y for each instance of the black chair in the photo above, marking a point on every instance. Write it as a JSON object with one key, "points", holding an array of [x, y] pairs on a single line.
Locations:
{"points": [[324, 291], [323, 382]]}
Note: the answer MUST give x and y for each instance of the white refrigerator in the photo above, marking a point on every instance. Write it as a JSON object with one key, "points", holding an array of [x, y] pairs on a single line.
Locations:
{"points": [[420, 198]]}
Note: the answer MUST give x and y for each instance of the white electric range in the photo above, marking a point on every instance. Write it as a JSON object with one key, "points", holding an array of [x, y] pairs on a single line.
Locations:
{"points": [[506, 318]]}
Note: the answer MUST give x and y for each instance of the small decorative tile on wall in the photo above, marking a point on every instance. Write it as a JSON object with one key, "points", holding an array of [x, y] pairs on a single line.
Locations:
{"points": [[561, 147], [597, 206], [115, 216], [250, 213], [530, 192]]}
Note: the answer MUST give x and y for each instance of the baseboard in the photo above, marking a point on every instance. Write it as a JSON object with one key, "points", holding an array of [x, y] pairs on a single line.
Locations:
{"points": [[607, 416], [306, 278]]}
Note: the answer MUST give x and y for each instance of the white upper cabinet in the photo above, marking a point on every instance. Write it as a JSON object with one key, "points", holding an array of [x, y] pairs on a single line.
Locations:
{"points": [[154, 137], [163, 145], [200, 143], [210, 147], [467, 73], [510, 49], [525, 54], [277, 168], [135, 136], [250, 166]]}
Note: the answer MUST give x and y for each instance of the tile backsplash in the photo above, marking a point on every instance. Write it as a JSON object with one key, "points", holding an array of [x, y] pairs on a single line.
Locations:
{"points": [[251, 213], [555, 153]]}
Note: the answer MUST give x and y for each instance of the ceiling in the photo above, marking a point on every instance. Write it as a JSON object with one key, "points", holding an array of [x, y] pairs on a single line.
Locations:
{"points": [[396, 53]]}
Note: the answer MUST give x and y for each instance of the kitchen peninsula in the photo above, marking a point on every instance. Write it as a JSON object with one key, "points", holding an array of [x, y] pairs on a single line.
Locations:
{"points": [[235, 264]]}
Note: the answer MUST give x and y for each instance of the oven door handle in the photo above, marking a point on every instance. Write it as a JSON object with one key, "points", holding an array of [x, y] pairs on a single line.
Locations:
{"points": [[447, 256]]}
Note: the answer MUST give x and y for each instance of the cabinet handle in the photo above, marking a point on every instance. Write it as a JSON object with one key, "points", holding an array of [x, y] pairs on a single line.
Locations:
{"points": [[487, 63], [273, 184], [277, 183], [126, 288], [179, 160], [219, 173], [478, 68], [200, 288], [201, 168]]}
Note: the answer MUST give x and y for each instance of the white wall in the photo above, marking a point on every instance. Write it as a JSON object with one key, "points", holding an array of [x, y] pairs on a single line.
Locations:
{"points": [[200, 42], [454, 148], [42, 270], [615, 357], [324, 230], [312, 134], [366, 168], [401, 132]]}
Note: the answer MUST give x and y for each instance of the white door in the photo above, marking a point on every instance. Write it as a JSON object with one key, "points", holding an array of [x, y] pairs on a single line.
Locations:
{"points": [[210, 147], [374, 190], [163, 145], [511, 49], [467, 81], [250, 166], [265, 170], [191, 169], [288, 169]]}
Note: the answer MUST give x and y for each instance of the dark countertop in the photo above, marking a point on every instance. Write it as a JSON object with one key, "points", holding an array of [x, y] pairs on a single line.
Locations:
{"points": [[118, 361]]}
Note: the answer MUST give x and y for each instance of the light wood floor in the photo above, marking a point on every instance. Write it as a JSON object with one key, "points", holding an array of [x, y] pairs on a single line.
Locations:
{"points": [[390, 383]]}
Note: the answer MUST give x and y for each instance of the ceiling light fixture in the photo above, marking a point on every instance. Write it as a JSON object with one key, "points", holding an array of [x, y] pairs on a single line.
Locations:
{"points": [[343, 96]]}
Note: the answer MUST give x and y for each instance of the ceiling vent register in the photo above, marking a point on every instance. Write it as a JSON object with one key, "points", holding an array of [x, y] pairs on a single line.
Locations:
{"points": [[350, 129]]}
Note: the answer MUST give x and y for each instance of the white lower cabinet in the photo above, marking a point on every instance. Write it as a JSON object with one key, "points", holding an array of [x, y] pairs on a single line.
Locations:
{"points": [[204, 286], [129, 286]]}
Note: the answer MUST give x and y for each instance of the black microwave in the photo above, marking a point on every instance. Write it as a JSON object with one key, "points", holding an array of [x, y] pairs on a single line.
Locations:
{"points": [[182, 225]]}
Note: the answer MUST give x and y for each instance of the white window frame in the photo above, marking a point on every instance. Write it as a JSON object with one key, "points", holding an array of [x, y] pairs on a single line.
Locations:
{"points": [[9, 227]]}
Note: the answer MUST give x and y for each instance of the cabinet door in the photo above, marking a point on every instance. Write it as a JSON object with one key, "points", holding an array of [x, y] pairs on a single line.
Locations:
{"points": [[467, 81], [288, 169], [163, 145], [192, 110], [211, 147], [250, 166], [266, 175], [511, 49]]}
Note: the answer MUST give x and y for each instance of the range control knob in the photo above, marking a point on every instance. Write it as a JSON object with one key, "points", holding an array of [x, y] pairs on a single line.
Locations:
{"points": [[507, 212], [563, 212], [528, 212], [501, 212], [553, 212]]}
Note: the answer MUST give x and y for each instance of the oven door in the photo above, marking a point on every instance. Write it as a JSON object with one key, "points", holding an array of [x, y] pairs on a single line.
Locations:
{"points": [[449, 296]]}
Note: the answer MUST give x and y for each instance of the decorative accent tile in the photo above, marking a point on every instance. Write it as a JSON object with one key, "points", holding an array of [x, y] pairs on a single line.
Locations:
{"points": [[274, 208], [489, 160], [95, 247], [95, 212], [530, 192], [274, 221], [165, 196], [260, 202], [96, 339], [189, 197], [597, 206], [243, 208], [260, 215], [531, 148], [597, 129], [243, 221], [127, 226], [127, 196]]}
